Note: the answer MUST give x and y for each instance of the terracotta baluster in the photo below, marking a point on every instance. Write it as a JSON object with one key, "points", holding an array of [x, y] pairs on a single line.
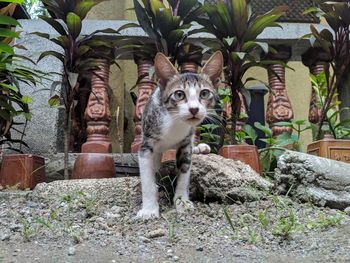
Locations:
{"points": [[189, 53], [97, 113], [317, 60], [243, 112], [146, 87], [95, 160], [279, 107], [189, 67]]}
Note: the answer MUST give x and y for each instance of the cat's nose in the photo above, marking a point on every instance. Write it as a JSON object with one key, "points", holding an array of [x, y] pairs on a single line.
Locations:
{"points": [[194, 111]]}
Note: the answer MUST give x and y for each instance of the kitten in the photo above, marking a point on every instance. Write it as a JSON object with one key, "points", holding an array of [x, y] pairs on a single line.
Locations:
{"points": [[175, 108]]}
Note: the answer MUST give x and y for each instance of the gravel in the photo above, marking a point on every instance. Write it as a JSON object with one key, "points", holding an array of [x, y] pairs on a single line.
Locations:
{"points": [[87, 226]]}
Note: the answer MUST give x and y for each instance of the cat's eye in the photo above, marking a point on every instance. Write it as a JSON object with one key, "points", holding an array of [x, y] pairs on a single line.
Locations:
{"points": [[179, 95], [205, 94]]}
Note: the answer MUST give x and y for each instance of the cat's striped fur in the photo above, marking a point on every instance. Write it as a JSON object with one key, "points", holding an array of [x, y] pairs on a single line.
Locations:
{"points": [[175, 108]]}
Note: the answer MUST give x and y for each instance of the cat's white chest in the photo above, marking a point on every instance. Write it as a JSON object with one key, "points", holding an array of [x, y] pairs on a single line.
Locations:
{"points": [[173, 132]]}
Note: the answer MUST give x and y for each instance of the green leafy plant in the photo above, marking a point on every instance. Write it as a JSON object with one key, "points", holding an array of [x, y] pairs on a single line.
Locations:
{"points": [[276, 146], [263, 219], [236, 30], [89, 203], [208, 135], [167, 23], [229, 218], [332, 123], [335, 41], [28, 231], [78, 57], [326, 221], [286, 225], [298, 127], [12, 72]]}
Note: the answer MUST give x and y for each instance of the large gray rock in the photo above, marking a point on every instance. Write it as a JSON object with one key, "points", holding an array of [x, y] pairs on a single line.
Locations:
{"points": [[213, 178], [311, 178]]}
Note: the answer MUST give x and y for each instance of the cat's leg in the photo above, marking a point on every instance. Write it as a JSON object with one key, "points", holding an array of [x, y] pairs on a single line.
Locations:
{"points": [[150, 206], [183, 164], [157, 161]]}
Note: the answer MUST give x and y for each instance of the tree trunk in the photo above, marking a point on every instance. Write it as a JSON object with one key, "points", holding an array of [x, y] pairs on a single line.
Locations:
{"points": [[236, 108], [344, 95], [67, 131]]}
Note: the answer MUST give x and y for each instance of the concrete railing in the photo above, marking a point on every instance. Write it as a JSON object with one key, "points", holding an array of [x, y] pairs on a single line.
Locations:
{"points": [[44, 133]]}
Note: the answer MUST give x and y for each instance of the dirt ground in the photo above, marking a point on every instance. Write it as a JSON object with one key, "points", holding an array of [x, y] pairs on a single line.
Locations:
{"points": [[77, 228]]}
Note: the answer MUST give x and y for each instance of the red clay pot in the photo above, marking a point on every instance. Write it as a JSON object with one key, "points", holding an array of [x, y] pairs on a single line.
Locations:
{"points": [[245, 153], [169, 156], [22, 171], [93, 166]]}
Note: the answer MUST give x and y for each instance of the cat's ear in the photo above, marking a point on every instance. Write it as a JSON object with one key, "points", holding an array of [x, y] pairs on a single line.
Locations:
{"points": [[214, 66], [164, 69]]}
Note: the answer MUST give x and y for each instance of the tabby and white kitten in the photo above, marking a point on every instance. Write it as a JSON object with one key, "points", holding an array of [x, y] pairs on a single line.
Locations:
{"points": [[175, 108]]}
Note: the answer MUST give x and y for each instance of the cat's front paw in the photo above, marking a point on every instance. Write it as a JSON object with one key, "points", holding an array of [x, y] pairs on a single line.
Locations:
{"points": [[147, 213], [201, 148], [183, 205]]}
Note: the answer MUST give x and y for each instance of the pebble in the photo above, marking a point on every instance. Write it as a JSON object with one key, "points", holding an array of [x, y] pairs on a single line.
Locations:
{"points": [[71, 251], [5, 237], [32, 204], [199, 248], [176, 258], [347, 210], [15, 227], [116, 209], [100, 220], [145, 239], [156, 233], [112, 218]]}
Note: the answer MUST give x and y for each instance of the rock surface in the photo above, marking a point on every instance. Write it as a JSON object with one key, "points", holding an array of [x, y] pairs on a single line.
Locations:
{"points": [[215, 178], [307, 177]]}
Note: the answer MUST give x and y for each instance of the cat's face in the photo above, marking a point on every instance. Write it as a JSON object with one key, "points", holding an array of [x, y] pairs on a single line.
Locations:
{"points": [[189, 96]]}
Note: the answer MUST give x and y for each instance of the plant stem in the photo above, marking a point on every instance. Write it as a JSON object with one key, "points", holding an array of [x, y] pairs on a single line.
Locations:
{"points": [[67, 131], [325, 108], [235, 111], [22, 135]]}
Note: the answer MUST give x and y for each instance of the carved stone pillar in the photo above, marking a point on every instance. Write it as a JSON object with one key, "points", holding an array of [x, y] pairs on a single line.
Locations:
{"points": [[146, 87], [279, 107], [95, 161], [97, 113], [317, 60]]}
